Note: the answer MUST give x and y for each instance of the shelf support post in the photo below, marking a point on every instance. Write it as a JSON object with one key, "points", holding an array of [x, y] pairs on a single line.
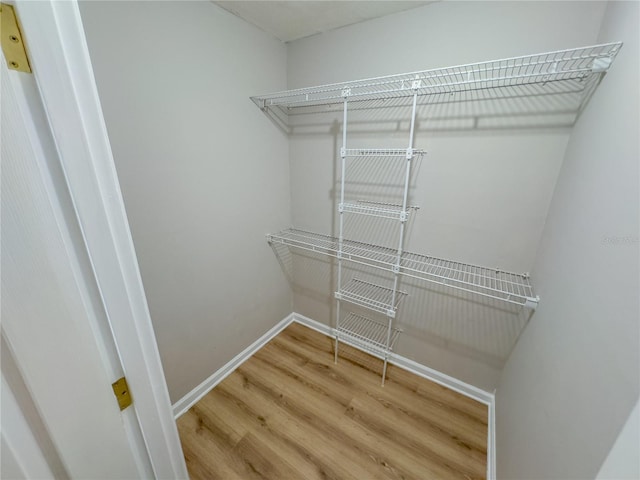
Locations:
{"points": [[405, 196], [343, 159]]}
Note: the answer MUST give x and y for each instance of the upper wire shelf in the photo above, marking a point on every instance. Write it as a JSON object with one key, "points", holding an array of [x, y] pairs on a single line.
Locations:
{"points": [[576, 70], [488, 282]]}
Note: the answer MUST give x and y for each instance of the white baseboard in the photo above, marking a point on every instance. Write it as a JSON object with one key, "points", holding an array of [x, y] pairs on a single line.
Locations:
{"points": [[491, 439], [186, 402], [411, 366], [190, 399], [440, 378]]}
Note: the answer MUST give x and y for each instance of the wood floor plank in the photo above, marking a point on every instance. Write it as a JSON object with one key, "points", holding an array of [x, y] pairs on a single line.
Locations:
{"points": [[197, 444], [440, 440], [289, 412], [462, 424], [311, 341], [305, 438], [329, 420], [262, 460]]}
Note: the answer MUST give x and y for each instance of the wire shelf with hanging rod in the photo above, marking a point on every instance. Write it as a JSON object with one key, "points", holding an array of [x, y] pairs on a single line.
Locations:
{"points": [[573, 72], [509, 287]]}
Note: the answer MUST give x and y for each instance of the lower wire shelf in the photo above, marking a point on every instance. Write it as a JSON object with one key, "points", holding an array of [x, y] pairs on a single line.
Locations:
{"points": [[366, 334], [493, 283], [369, 295]]}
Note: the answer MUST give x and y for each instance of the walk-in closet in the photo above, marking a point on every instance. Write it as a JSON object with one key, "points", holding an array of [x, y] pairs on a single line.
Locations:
{"points": [[381, 239], [422, 186]]}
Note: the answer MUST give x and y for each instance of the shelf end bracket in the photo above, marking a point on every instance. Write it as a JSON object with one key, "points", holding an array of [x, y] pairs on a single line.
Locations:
{"points": [[532, 302]]}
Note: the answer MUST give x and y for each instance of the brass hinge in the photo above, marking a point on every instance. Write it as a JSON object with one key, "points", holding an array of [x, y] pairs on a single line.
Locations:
{"points": [[121, 391], [11, 39]]}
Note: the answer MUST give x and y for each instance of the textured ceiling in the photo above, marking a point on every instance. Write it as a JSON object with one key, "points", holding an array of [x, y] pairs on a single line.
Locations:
{"points": [[289, 21]]}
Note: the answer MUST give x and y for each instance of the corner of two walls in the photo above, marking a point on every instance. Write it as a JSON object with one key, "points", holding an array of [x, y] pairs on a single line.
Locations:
{"points": [[483, 193], [573, 377], [204, 174]]}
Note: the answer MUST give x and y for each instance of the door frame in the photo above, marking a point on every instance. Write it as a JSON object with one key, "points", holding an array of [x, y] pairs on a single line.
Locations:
{"points": [[59, 55]]}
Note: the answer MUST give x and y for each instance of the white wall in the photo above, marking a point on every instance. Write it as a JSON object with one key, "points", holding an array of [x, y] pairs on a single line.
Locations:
{"points": [[204, 174], [573, 377], [623, 460], [484, 193]]}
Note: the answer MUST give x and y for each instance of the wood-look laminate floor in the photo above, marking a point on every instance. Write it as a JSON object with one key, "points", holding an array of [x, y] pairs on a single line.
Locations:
{"points": [[289, 412]]}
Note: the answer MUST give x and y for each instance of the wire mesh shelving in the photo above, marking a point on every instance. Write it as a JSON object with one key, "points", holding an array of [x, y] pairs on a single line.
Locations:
{"points": [[576, 70], [514, 288], [567, 76], [369, 295], [367, 334], [377, 209], [382, 152]]}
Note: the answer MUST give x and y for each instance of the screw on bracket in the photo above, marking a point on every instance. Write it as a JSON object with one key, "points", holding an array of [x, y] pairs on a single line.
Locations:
{"points": [[409, 153]]}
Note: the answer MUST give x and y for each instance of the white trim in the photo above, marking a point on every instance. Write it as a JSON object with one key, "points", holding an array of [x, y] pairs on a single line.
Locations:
{"points": [[440, 378], [411, 366], [314, 325], [491, 439], [190, 399], [64, 75]]}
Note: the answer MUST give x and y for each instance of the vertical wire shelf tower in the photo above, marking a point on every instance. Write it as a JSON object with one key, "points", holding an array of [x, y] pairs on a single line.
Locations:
{"points": [[364, 332]]}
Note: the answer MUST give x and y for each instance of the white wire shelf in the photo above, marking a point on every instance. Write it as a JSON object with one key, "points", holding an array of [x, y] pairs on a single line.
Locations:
{"points": [[378, 209], [576, 70], [369, 295], [488, 282], [382, 152], [366, 334]]}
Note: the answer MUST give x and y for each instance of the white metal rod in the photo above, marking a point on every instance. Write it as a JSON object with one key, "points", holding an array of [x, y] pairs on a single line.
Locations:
{"points": [[340, 233], [388, 346], [344, 148], [407, 177], [413, 121], [384, 369], [405, 197], [343, 169], [335, 355]]}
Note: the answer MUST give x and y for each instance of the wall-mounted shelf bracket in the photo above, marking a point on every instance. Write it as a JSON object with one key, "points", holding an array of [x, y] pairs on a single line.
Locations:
{"points": [[532, 302]]}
